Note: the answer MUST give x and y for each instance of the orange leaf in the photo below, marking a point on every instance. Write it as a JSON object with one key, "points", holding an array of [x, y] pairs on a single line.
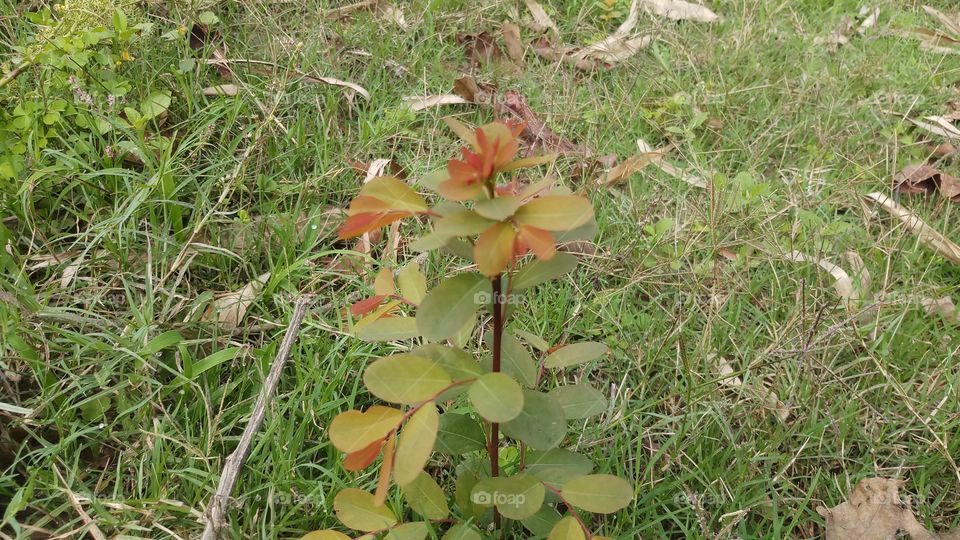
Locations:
{"points": [[386, 470], [368, 221], [362, 459], [366, 204], [366, 305], [494, 249], [541, 242]]}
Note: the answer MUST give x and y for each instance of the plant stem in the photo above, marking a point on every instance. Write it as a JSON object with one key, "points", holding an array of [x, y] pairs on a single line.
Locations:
{"points": [[494, 445]]}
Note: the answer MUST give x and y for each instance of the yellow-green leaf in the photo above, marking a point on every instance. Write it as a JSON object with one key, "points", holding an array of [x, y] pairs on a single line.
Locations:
{"points": [[494, 249], [405, 378], [531, 161], [389, 329], [542, 522], [462, 223], [412, 283], [353, 431], [459, 364], [556, 212], [416, 443], [459, 434], [450, 305], [541, 424], [426, 498], [498, 208], [416, 530], [325, 534], [465, 132], [579, 400], [462, 532], [557, 465], [497, 397], [576, 353], [539, 271], [516, 497], [355, 508], [395, 193], [567, 529], [598, 493], [383, 284]]}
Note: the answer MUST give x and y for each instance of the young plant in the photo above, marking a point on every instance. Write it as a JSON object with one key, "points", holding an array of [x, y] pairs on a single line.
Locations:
{"points": [[495, 405]]}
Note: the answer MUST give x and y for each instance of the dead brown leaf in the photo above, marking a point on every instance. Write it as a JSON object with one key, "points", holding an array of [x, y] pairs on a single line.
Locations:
{"points": [[927, 179], [229, 309], [680, 10], [632, 165], [927, 235], [419, 103], [839, 36], [608, 52], [730, 379], [469, 89], [541, 21], [535, 131], [942, 306], [950, 22], [667, 167], [221, 90], [874, 511], [481, 48], [511, 37], [849, 294]]}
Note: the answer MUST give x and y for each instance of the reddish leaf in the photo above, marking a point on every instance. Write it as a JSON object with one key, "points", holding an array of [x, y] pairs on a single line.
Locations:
{"points": [[540, 242], [366, 305], [494, 249], [363, 458], [368, 221], [386, 471]]}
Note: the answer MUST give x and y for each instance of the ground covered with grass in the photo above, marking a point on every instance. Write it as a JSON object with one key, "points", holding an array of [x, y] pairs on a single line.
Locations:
{"points": [[123, 391]]}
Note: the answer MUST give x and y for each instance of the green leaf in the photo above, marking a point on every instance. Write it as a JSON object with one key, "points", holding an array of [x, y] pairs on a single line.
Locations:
{"points": [[579, 400], [119, 20], [533, 340], [558, 465], [462, 496], [412, 283], [213, 360], [556, 212], [459, 434], [155, 105], [462, 532], [395, 193], [462, 223], [208, 18], [499, 208], [355, 509], [497, 397], [352, 431], [390, 329], [325, 534], [516, 361], [164, 340], [426, 498], [405, 378], [542, 522], [541, 424], [516, 497], [598, 493], [450, 305], [459, 364], [416, 444], [539, 271], [567, 529], [531, 161], [576, 353], [416, 530]]}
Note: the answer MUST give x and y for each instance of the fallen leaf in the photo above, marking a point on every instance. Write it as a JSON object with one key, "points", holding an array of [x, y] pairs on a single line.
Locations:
{"points": [[481, 48], [343, 11], [631, 165], [201, 38], [932, 40], [669, 168], [938, 125], [869, 19], [541, 21], [943, 307], [511, 37], [382, 167], [874, 511], [730, 379], [839, 35], [927, 179], [229, 309], [680, 10], [337, 82], [927, 235], [393, 14], [535, 131], [419, 103], [221, 90], [608, 52], [950, 22], [849, 295]]}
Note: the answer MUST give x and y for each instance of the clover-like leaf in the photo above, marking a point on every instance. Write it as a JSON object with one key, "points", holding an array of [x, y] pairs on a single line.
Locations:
{"points": [[353, 431], [450, 305], [426, 497], [598, 493], [405, 378], [541, 424], [497, 397], [355, 508], [576, 353]]}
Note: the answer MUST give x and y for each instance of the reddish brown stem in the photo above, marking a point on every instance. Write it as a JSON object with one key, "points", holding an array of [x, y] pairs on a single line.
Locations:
{"points": [[494, 444]]}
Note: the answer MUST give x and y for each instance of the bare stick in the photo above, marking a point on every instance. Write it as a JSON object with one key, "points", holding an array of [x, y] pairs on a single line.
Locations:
{"points": [[217, 508]]}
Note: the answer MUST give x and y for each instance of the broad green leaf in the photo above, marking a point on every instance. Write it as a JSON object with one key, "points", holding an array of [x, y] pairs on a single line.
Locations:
{"points": [[598, 493], [405, 378], [556, 212], [495, 249], [450, 305], [459, 434], [558, 465], [412, 283], [541, 424], [395, 193], [579, 400], [516, 497], [465, 132], [497, 397], [459, 364], [155, 104], [516, 360], [462, 532], [355, 509], [164, 340], [531, 161], [542, 522], [462, 496], [567, 529], [428, 242], [383, 284], [587, 231], [499, 208], [433, 179], [390, 329], [416, 443], [462, 223], [533, 340], [353, 431], [576, 353], [426, 498], [416, 530], [538, 271], [326, 534], [211, 361]]}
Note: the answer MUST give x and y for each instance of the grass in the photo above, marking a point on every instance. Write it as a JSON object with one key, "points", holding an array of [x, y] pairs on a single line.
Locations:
{"points": [[115, 430]]}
